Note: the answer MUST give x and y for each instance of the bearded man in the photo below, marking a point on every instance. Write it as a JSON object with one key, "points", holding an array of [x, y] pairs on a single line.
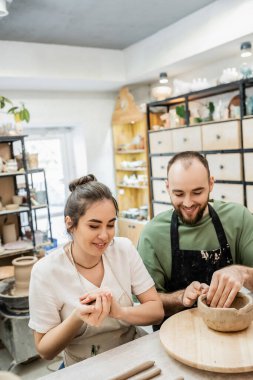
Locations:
{"points": [[199, 246]]}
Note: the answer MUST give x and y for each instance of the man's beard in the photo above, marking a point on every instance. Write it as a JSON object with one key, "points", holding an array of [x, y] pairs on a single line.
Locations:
{"points": [[196, 219]]}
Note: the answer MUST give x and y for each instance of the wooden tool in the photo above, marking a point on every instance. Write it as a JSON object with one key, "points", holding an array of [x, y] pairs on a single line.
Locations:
{"points": [[134, 371], [187, 338]]}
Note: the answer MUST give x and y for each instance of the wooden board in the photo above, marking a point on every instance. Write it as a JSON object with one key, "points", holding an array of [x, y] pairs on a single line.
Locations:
{"points": [[6, 272], [187, 339]]}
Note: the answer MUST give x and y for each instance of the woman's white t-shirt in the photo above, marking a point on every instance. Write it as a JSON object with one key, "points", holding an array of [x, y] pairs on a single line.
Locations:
{"points": [[55, 288]]}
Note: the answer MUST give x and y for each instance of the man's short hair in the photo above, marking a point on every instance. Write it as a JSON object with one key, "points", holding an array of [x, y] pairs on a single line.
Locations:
{"points": [[189, 156]]}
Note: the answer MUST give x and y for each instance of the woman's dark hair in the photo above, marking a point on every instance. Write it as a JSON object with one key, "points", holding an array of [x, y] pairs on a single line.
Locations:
{"points": [[187, 157], [84, 192]]}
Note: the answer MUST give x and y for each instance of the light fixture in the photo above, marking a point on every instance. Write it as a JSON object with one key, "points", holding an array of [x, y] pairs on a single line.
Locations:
{"points": [[163, 78], [161, 90], [3, 8], [246, 49]]}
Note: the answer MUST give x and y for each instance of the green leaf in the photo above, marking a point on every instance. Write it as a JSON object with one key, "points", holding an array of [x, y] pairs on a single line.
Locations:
{"points": [[180, 111], [12, 110], [4, 100], [211, 107], [26, 115]]}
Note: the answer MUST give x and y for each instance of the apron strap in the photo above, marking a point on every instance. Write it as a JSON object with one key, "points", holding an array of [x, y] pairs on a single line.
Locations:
{"points": [[174, 236], [218, 228]]}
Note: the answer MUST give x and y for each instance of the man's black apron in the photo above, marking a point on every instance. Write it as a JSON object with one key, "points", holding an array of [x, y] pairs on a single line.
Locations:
{"points": [[190, 265]]}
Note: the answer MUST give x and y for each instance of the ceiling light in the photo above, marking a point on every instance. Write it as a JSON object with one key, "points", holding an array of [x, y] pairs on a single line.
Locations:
{"points": [[163, 78], [161, 90], [3, 9], [246, 49]]}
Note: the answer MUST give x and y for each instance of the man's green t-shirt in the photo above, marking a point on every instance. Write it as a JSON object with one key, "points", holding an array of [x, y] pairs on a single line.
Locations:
{"points": [[155, 246]]}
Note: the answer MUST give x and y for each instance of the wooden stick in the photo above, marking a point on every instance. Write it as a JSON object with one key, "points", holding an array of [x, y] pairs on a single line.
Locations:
{"points": [[133, 371], [148, 374]]}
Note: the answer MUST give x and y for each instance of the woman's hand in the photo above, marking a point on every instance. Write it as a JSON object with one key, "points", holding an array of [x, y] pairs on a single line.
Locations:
{"points": [[95, 307]]}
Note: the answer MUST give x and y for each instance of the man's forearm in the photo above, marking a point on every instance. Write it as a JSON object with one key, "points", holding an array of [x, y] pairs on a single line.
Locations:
{"points": [[172, 302], [248, 277]]}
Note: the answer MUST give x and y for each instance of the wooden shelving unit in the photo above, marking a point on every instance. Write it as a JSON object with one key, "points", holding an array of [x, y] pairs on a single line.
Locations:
{"points": [[131, 169], [25, 216], [227, 143]]}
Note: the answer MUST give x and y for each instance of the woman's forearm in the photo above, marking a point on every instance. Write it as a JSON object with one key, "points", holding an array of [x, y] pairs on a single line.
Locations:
{"points": [[55, 340], [150, 312]]}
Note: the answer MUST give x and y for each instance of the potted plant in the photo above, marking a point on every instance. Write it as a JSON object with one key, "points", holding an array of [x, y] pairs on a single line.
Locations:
{"points": [[20, 112], [180, 111]]}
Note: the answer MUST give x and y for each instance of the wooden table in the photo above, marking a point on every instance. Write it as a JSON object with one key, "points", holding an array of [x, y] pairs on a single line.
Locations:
{"points": [[112, 362]]}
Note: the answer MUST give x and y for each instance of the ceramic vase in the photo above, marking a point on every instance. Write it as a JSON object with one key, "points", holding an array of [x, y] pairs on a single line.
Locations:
{"points": [[22, 273], [9, 233]]}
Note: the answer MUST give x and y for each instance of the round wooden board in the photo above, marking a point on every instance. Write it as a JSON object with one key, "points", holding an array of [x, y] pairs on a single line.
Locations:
{"points": [[6, 272], [187, 339]]}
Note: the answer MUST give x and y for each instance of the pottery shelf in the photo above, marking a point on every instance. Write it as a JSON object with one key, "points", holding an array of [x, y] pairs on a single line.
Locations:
{"points": [[14, 252], [226, 141], [133, 151], [20, 172], [17, 211], [131, 170], [133, 187], [129, 131], [25, 218], [22, 209]]}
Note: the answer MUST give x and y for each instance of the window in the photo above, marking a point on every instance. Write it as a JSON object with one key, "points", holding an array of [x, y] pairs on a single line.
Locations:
{"points": [[54, 149]]}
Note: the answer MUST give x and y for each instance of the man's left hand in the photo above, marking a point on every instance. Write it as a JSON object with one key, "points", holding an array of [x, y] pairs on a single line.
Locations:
{"points": [[225, 284]]}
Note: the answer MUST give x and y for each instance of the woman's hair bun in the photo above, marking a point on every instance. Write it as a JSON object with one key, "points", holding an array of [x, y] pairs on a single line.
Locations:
{"points": [[81, 181]]}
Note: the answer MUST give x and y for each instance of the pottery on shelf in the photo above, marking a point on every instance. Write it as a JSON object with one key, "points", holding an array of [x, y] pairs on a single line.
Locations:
{"points": [[12, 206], [9, 233], [235, 318], [22, 273]]}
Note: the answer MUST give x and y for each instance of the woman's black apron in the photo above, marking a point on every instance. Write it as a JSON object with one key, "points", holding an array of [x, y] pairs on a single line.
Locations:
{"points": [[193, 265]]}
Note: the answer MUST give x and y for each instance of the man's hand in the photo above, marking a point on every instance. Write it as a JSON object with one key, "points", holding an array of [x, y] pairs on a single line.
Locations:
{"points": [[225, 284], [192, 292]]}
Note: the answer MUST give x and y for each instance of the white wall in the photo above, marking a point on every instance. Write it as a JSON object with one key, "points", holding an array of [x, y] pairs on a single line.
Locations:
{"points": [[90, 115]]}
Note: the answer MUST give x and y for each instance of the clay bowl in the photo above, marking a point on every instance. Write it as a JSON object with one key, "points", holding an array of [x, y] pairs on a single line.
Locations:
{"points": [[235, 318]]}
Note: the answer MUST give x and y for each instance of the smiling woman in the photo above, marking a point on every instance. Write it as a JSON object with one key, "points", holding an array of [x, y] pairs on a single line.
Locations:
{"points": [[101, 272]]}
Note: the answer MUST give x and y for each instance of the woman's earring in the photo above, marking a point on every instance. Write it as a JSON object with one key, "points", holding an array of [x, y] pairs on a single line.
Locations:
{"points": [[112, 242]]}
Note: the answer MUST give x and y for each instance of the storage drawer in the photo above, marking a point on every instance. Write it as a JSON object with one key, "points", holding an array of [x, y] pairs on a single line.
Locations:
{"points": [[159, 207], [160, 192], [130, 229], [221, 135], [160, 142], [227, 193], [248, 167], [159, 166], [226, 166], [247, 128], [249, 192], [186, 139]]}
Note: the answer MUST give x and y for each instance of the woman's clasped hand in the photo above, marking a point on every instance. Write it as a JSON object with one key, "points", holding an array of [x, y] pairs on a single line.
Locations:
{"points": [[95, 307]]}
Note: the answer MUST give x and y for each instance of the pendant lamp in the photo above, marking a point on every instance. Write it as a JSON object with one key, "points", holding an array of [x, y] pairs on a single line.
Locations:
{"points": [[246, 49], [3, 8], [161, 90]]}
